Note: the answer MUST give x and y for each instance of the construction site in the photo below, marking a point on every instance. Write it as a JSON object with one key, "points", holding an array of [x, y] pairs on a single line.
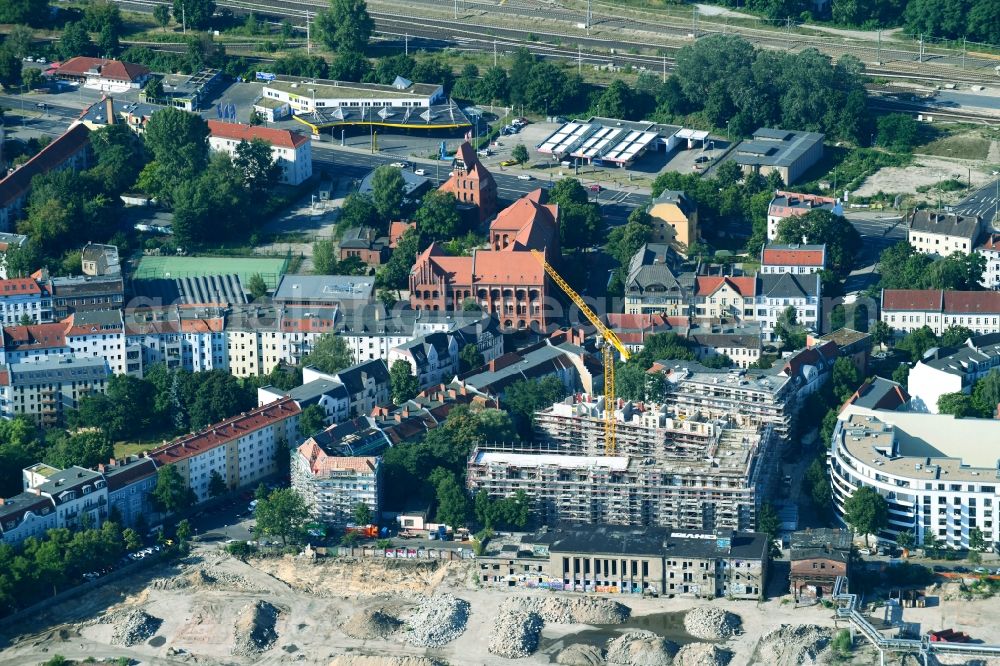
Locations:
{"points": [[211, 609], [667, 469]]}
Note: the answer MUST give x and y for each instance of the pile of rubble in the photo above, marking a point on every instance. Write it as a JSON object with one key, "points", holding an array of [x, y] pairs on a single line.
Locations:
{"points": [[382, 660], [641, 648], [712, 624], [255, 631], [371, 623], [580, 654], [202, 577], [515, 634], [570, 610], [702, 654], [438, 620], [131, 626], [793, 645]]}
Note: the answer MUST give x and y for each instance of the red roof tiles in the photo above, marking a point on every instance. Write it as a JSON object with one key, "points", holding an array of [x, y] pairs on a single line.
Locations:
{"points": [[972, 302], [237, 132], [36, 336], [51, 157], [923, 300], [793, 257], [112, 70], [708, 284]]}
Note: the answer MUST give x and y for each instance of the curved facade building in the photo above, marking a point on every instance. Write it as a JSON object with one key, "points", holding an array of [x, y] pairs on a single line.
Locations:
{"points": [[938, 474]]}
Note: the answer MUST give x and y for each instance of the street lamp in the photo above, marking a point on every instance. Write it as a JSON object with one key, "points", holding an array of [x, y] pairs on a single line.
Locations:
{"points": [[727, 130]]}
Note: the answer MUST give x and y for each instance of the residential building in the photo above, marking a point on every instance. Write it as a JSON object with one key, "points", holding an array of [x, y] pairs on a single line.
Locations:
{"points": [[100, 335], [311, 292], [633, 329], [570, 478], [22, 298], [880, 393], [27, 514], [84, 293], [741, 342], [9, 242], [851, 344], [44, 388], [333, 485], [989, 248], [940, 233], [943, 371], [799, 259], [22, 343], [906, 310], [291, 151], [794, 204], [471, 183], [96, 259], [130, 483], [787, 153], [80, 495], [193, 339], [329, 395], [241, 450], [778, 292], [616, 560], [725, 298], [936, 472], [818, 558], [70, 150], [655, 283], [675, 220], [103, 74], [367, 385], [365, 244], [111, 111], [434, 358]]}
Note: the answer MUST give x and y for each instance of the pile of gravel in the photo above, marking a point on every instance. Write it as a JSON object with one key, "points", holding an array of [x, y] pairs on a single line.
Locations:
{"points": [[793, 645], [711, 623], [131, 626], [702, 654], [438, 620], [580, 654], [255, 629], [641, 648], [382, 660], [371, 623], [515, 634], [570, 610]]}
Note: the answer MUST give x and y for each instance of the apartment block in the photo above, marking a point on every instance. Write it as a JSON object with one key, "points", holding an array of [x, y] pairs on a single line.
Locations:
{"points": [[989, 248], [614, 560], [45, 388], [940, 233], [349, 393], [333, 485], [690, 473], [799, 259], [656, 282], [944, 370], [130, 483], [240, 449], [24, 299], [792, 204], [79, 495], [937, 473], [906, 310]]}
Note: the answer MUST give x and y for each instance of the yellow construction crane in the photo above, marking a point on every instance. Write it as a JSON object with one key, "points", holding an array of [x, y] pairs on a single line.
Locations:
{"points": [[611, 344]]}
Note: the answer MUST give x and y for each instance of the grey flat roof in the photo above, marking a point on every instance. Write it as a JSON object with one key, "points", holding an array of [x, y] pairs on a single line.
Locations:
{"points": [[411, 182], [774, 147], [652, 541], [328, 88], [59, 368], [329, 288]]}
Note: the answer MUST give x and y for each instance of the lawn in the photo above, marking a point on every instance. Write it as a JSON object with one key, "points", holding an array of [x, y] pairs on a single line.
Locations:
{"points": [[145, 443], [969, 146]]}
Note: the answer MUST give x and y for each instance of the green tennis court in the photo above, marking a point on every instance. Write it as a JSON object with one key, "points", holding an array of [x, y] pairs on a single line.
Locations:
{"points": [[153, 268]]}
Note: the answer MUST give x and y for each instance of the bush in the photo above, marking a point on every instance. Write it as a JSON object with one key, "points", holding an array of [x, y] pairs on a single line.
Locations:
{"points": [[842, 642], [241, 550]]}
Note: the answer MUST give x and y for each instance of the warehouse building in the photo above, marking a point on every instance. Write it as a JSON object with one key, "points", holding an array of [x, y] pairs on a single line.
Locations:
{"points": [[787, 153]]}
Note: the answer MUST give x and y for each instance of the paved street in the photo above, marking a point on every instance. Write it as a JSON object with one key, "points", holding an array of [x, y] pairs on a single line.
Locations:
{"points": [[983, 202]]}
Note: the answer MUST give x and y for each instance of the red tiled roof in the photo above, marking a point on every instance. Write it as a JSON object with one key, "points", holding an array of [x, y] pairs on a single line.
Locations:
{"points": [[971, 302], [51, 156], [225, 431], [709, 284], [114, 70], [791, 257], [36, 336], [17, 286], [513, 268], [923, 300], [320, 461], [528, 222], [992, 243], [397, 229], [237, 132]]}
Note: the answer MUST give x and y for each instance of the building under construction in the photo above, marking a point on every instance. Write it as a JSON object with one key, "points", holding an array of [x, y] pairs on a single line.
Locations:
{"points": [[668, 470]]}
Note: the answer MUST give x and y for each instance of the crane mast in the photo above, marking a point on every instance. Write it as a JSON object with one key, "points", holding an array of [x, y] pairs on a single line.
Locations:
{"points": [[612, 343]]}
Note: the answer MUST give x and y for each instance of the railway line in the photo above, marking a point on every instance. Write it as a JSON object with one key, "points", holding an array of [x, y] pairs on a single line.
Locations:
{"points": [[482, 24]]}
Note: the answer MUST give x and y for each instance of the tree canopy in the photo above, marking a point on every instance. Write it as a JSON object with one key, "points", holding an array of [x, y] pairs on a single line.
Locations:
{"points": [[283, 513], [403, 382], [329, 354], [866, 511], [821, 227], [902, 267], [346, 27]]}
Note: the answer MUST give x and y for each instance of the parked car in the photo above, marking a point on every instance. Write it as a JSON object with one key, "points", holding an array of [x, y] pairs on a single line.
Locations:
{"points": [[937, 568], [41, 60], [701, 159], [595, 188], [506, 163], [525, 176], [399, 165], [420, 172], [981, 570], [865, 551], [961, 570]]}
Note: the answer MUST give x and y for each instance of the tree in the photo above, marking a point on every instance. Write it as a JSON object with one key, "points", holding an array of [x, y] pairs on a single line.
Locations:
{"points": [[882, 333], [624, 242], [846, 378], [984, 21], [388, 298], [470, 357], [120, 156], [958, 404], [283, 513], [133, 541], [261, 172], [312, 420], [217, 485], [917, 342], [359, 211], [183, 532], [819, 484], [821, 227], [195, 14], [616, 101], [986, 394], [787, 328], [906, 540], [362, 514], [75, 41], [519, 153], [86, 449], [172, 493], [930, 544], [32, 78], [20, 40], [107, 42], [10, 69], [161, 14], [452, 502], [866, 512], [898, 131], [346, 27], [397, 271], [178, 142], [325, 257], [388, 188], [256, 286], [977, 541], [329, 354], [404, 384], [211, 207], [349, 66], [526, 396], [437, 218], [955, 336]]}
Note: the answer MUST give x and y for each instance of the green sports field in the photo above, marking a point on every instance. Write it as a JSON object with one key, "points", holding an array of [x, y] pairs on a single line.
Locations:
{"points": [[270, 268]]}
